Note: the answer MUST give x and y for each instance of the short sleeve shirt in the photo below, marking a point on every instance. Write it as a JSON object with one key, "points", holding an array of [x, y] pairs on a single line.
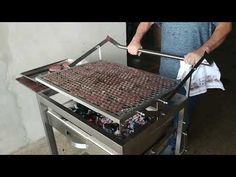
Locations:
{"points": [[180, 38]]}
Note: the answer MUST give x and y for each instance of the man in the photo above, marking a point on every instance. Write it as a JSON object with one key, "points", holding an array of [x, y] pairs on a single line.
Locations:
{"points": [[188, 39]]}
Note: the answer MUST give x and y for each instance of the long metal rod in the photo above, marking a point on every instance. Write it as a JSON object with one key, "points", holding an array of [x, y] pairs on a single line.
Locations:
{"points": [[114, 42], [149, 51]]}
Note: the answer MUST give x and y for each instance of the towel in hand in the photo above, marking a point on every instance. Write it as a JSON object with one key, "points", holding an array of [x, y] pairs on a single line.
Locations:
{"points": [[203, 78]]}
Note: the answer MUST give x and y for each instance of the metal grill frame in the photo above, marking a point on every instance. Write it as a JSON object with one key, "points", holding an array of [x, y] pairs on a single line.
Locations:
{"points": [[144, 139]]}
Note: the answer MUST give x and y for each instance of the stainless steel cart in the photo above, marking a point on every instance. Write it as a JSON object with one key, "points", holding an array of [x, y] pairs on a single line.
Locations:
{"points": [[55, 103]]}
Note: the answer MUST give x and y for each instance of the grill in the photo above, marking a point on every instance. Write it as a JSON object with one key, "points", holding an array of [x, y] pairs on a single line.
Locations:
{"points": [[103, 106], [114, 89]]}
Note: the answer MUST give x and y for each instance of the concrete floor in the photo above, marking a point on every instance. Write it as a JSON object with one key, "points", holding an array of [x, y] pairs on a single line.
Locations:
{"points": [[212, 129], [213, 126]]}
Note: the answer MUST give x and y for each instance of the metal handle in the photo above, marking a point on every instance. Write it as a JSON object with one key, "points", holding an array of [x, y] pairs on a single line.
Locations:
{"points": [[150, 51], [75, 144], [114, 42]]}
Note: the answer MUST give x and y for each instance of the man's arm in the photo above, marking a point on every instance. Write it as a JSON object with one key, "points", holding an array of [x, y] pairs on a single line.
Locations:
{"points": [[219, 35], [135, 44]]}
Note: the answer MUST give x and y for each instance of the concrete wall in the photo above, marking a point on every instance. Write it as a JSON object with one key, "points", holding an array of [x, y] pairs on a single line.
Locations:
{"points": [[25, 46]]}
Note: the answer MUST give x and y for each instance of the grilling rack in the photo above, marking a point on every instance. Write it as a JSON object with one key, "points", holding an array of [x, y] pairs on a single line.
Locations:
{"points": [[111, 89]]}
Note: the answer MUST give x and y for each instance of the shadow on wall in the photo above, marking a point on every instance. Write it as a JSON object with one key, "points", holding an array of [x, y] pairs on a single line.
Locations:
{"points": [[150, 42]]}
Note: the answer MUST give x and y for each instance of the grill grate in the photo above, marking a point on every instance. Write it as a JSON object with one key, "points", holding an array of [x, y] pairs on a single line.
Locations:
{"points": [[113, 87]]}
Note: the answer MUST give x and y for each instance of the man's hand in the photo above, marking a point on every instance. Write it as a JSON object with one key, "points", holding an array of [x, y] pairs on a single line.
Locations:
{"points": [[133, 48], [221, 32], [135, 44], [193, 57]]}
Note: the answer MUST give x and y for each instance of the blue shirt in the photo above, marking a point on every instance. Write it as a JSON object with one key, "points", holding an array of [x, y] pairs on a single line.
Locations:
{"points": [[180, 38]]}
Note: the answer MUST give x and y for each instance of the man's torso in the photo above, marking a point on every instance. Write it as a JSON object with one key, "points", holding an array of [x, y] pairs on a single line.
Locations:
{"points": [[180, 38]]}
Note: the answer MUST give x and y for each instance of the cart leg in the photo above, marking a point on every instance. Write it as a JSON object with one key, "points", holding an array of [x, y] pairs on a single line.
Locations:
{"points": [[48, 130], [179, 139]]}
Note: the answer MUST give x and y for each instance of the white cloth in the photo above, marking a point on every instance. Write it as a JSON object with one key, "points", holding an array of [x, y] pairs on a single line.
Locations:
{"points": [[203, 78]]}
